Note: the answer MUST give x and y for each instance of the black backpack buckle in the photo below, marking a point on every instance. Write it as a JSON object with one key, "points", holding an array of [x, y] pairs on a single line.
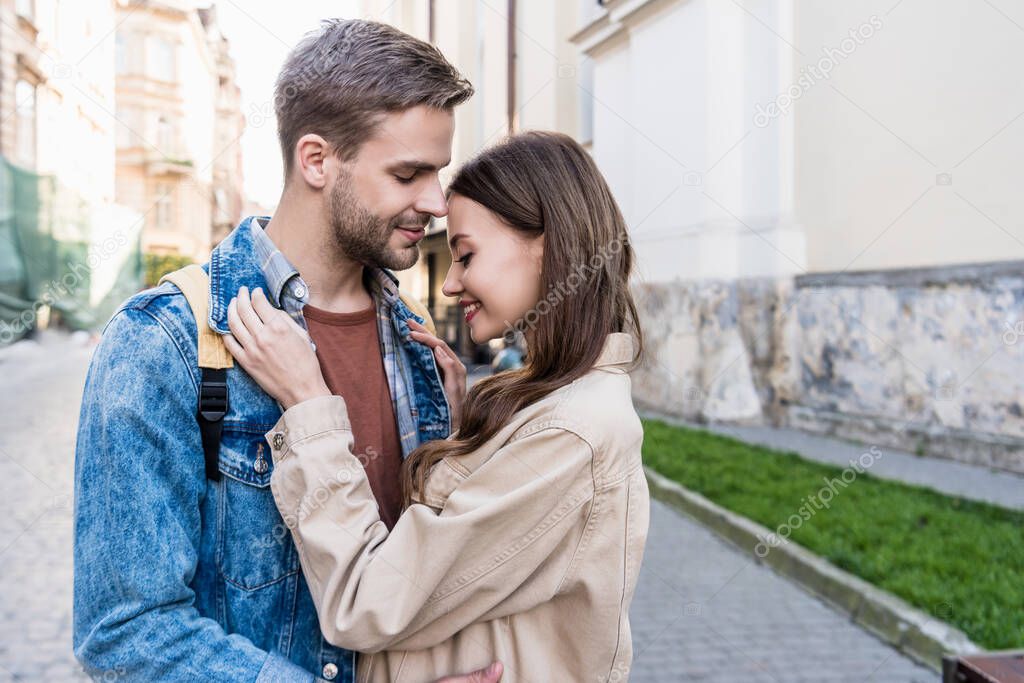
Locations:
{"points": [[213, 406]]}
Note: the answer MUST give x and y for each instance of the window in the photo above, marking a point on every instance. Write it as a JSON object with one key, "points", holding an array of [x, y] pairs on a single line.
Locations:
{"points": [[164, 206], [25, 123], [126, 127], [162, 59], [165, 137]]}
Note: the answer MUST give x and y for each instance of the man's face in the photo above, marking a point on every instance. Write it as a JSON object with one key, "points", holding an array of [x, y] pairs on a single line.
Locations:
{"points": [[381, 201]]}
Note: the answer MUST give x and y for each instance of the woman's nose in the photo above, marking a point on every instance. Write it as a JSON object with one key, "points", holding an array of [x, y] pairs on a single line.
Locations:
{"points": [[452, 286]]}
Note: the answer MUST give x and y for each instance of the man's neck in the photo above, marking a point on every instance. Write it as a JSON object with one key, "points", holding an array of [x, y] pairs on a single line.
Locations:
{"points": [[335, 282]]}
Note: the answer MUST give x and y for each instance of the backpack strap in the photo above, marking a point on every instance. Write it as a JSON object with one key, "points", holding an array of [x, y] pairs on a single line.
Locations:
{"points": [[414, 305], [214, 360]]}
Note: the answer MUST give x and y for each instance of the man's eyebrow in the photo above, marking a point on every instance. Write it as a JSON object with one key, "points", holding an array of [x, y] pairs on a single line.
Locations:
{"points": [[418, 165]]}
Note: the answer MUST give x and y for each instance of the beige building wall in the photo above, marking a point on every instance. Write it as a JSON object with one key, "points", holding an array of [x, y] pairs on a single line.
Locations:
{"points": [[799, 136], [177, 139], [908, 155], [229, 124]]}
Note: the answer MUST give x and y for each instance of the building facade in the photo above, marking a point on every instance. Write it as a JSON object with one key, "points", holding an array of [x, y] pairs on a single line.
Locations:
{"points": [[179, 123], [66, 242], [820, 198], [229, 124], [819, 194], [56, 92]]}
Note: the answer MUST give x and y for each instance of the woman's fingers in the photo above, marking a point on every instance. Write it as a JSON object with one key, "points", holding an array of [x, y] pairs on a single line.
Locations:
{"points": [[237, 326], [440, 348], [274, 318], [261, 305], [426, 338], [247, 313], [233, 347], [453, 372]]}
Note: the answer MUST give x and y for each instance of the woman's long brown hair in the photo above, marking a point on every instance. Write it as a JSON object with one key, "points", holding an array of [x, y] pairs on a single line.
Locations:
{"points": [[542, 183]]}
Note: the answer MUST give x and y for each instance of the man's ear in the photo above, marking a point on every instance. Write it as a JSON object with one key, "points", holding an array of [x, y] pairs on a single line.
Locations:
{"points": [[311, 153]]}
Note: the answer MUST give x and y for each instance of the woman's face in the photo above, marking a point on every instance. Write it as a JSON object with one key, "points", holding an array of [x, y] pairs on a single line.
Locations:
{"points": [[495, 269]]}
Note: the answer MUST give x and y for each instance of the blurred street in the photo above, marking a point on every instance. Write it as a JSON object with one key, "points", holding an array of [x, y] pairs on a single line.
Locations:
{"points": [[702, 611]]}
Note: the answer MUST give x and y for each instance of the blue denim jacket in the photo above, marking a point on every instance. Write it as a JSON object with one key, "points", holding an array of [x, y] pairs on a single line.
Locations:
{"points": [[178, 577]]}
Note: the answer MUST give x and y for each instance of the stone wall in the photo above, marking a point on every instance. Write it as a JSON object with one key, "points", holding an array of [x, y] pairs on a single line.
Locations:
{"points": [[926, 360]]}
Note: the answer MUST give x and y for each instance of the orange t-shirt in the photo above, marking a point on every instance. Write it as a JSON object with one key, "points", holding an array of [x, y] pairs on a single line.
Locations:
{"points": [[348, 347]]}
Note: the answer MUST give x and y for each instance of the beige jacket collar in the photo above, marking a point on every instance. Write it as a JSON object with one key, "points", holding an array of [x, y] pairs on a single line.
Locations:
{"points": [[619, 348]]}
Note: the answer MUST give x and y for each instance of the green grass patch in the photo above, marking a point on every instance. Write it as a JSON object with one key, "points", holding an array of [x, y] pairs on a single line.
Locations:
{"points": [[958, 560]]}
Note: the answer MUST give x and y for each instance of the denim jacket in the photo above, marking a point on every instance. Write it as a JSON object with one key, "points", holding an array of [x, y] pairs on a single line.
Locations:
{"points": [[182, 578]]}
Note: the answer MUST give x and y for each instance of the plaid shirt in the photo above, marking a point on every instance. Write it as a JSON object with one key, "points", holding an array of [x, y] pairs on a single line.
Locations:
{"points": [[289, 292]]}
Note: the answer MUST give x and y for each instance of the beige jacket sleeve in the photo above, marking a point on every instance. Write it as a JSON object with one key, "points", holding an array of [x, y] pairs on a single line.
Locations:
{"points": [[502, 543]]}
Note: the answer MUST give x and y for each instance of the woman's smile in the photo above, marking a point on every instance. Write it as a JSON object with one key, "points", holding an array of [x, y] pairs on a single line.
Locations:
{"points": [[470, 308]]}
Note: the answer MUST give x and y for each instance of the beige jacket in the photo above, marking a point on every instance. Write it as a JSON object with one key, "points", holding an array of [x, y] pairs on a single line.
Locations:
{"points": [[525, 551]]}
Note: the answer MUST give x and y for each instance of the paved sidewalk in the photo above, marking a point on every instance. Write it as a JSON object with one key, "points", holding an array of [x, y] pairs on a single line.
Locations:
{"points": [[703, 611], [38, 419], [973, 482]]}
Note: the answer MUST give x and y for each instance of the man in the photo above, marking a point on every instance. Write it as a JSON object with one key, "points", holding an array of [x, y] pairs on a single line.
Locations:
{"points": [[184, 576]]}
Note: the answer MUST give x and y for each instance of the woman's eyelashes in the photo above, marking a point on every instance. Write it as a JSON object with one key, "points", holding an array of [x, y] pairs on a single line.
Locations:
{"points": [[465, 259]]}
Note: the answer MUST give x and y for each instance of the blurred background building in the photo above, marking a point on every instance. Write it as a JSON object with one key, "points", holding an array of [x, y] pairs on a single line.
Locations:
{"points": [[66, 245], [179, 122], [820, 195], [119, 138]]}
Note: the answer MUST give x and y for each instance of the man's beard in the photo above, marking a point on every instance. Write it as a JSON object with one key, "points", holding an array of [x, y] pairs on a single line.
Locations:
{"points": [[363, 236]]}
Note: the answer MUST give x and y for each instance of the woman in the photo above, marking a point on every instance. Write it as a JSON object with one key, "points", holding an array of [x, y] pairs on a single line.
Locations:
{"points": [[523, 532]]}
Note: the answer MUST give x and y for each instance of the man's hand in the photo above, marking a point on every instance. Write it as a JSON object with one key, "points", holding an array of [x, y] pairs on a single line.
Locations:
{"points": [[491, 674]]}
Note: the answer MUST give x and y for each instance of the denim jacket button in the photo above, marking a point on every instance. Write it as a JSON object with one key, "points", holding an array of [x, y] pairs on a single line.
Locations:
{"points": [[330, 671]]}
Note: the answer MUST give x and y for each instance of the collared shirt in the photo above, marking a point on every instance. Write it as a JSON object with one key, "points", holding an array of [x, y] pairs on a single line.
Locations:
{"points": [[289, 292]]}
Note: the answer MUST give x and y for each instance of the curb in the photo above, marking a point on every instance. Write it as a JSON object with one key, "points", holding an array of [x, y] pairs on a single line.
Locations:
{"points": [[908, 629]]}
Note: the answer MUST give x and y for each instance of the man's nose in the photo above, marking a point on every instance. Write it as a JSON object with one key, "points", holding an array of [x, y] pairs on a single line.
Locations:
{"points": [[432, 201]]}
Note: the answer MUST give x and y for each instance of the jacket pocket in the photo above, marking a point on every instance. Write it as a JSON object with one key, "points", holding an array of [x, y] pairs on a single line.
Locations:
{"points": [[255, 548]]}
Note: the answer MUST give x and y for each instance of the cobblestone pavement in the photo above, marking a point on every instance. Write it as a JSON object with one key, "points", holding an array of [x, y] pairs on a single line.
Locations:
{"points": [[705, 612], [38, 418], [702, 612]]}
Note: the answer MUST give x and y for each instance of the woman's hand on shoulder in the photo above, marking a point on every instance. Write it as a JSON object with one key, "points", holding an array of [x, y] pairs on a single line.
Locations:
{"points": [[273, 349]]}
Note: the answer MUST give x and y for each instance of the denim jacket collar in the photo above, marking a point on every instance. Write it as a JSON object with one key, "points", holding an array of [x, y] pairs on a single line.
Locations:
{"points": [[235, 263]]}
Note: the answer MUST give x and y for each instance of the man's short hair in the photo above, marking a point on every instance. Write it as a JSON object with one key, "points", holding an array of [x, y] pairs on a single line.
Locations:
{"points": [[339, 82]]}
